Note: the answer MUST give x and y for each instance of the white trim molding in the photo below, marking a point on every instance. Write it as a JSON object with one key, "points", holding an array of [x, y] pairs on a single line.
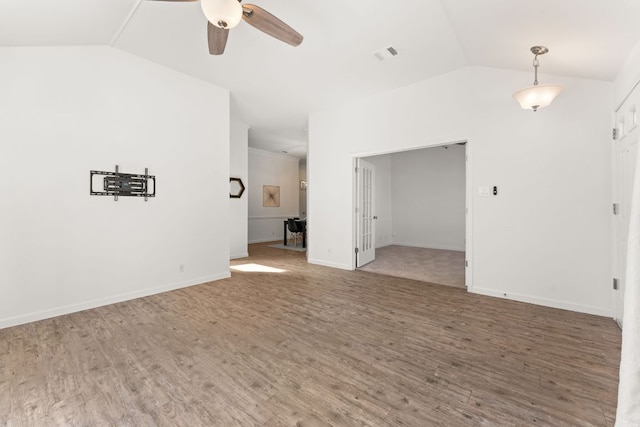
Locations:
{"points": [[99, 302], [543, 302]]}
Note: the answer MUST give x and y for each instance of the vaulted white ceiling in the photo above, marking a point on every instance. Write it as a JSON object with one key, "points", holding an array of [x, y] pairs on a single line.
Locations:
{"points": [[274, 86]]}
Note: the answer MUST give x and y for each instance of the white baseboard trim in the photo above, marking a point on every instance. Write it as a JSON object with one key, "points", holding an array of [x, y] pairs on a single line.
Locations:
{"points": [[543, 301], [329, 264], [241, 255], [424, 246], [99, 302]]}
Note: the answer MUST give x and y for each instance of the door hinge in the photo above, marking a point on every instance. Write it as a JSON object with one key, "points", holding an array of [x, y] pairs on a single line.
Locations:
{"points": [[615, 133], [615, 284], [466, 263], [616, 208], [357, 251], [356, 169]]}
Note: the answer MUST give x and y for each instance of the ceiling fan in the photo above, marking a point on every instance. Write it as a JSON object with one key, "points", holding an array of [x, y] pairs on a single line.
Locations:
{"points": [[226, 14]]}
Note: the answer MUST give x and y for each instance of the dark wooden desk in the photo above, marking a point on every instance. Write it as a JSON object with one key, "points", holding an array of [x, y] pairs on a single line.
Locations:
{"points": [[304, 231]]}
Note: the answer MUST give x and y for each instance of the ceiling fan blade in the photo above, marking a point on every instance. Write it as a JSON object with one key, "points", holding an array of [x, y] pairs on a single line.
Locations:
{"points": [[217, 39], [267, 23]]}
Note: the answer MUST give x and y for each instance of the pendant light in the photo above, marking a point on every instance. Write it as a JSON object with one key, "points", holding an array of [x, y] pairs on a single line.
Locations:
{"points": [[537, 96]]}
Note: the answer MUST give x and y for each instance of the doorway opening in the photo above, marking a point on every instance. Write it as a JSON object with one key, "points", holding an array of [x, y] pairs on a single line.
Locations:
{"points": [[421, 214]]}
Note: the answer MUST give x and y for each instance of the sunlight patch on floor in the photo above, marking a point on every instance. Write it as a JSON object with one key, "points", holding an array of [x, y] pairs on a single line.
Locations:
{"points": [[256, 268]]}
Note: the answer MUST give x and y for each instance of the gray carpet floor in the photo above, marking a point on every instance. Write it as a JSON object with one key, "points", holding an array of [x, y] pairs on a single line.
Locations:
{"points": [[289, 247], [426, 265]]}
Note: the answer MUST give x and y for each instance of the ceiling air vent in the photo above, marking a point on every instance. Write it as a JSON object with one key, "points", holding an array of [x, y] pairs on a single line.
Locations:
{"points": [[386, 53]]}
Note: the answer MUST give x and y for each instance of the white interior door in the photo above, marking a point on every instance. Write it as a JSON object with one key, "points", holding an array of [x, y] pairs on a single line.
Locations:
{"points": [[626, 152], [365, 215]]}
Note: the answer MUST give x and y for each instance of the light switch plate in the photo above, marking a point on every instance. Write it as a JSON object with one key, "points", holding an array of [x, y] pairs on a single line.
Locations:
{"points": [[484, 191]]}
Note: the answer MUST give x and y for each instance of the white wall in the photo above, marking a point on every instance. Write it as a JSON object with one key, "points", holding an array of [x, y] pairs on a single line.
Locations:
{"points": [[546, 238], [428, 198], [239, 208], [65, 111], [266, 168], [628, 76], [383, 200]]}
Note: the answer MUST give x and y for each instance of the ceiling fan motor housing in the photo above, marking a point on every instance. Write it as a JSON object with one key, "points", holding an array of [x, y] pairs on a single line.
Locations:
{"points": [[222, 13]]}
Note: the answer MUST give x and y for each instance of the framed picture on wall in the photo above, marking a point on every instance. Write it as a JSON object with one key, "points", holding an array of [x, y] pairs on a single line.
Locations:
{"points": [[270, 196]]}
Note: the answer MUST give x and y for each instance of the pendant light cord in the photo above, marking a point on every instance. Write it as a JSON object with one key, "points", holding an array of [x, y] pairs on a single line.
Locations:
{"points": [[536, 64]]}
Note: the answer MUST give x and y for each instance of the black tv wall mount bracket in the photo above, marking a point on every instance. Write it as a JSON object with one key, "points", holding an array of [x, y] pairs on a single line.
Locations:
{"points": [[123, 184]]}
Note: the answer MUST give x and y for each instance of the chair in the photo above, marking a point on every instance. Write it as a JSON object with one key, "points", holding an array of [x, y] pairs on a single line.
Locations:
{"points": [[294, 230], [302, 229]]}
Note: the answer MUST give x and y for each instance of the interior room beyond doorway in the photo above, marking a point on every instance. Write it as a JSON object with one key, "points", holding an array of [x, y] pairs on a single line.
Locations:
{"points": [[423, 264], [420, 202]]}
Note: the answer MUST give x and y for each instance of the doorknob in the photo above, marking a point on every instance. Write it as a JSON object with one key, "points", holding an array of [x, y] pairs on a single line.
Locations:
{"points": [[375, 217]]}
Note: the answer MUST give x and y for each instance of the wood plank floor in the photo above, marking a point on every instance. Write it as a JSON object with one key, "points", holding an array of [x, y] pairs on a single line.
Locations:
{"points": [[311, 346]]}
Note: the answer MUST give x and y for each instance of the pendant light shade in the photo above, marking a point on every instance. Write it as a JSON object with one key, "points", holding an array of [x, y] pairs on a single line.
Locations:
{"points": [[537, 96], [222, 13]]}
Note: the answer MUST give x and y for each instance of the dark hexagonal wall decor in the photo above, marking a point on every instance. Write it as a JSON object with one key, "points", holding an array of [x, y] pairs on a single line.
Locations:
{"points": [[236, 188]]}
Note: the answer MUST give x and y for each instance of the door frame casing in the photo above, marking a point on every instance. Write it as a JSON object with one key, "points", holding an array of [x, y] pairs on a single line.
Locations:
{"points": [[468, 200], [626, 139]]}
